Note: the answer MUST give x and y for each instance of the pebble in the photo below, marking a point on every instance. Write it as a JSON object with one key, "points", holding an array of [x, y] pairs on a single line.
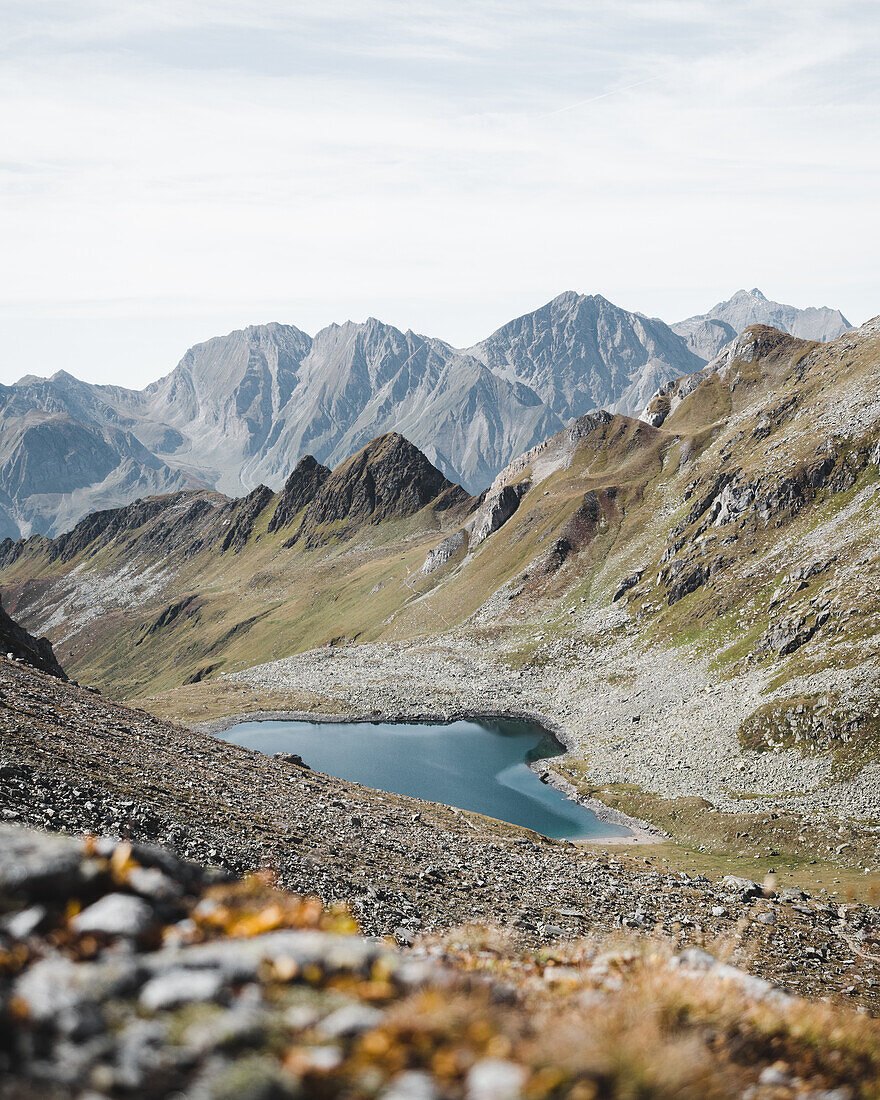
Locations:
{"points": [[350, 1020], [495, 1079], [178, 987], [413, 1085], [115, 915]]}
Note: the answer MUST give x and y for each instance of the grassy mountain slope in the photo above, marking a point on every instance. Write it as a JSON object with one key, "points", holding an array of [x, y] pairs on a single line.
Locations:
{"points": [[743, 518]]}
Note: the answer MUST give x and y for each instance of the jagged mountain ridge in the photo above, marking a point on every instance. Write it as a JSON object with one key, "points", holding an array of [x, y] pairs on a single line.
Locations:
{"points": [[240, 410], [124, 561], [707, 333]]}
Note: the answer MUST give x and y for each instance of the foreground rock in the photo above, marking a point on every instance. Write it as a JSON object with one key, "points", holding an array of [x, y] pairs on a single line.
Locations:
{"points": [[222, 988], [18, 645]]}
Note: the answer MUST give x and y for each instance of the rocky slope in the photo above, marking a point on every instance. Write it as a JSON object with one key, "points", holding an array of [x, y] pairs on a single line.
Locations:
{"points": [[404, 866], [132, 972], [707, 333], [18, 645]]}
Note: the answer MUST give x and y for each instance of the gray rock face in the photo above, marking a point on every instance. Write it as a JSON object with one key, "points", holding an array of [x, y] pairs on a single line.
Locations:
{"points": [[64, 452], [705, 336], [496, 511], [242, 409], [707, 333], [581, 352]]}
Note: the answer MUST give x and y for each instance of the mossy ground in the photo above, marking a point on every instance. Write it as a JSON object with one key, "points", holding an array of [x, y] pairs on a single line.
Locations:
{"points": [[713, 842]]}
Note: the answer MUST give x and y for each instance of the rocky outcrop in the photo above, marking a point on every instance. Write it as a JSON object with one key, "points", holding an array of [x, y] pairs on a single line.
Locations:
{"points": [[300, 489], [670, 396], [626, 584], [792, 631], [388, 479], [244, 515], [811, 723], [447, 549], [496, 510], [17, 645]]}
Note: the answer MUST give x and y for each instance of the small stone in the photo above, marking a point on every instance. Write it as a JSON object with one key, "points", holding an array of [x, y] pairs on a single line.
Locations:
{"points": [[774, 1075], [411, 1086], [37, 864], [53, 986], [150, 882], [301, 1017], [23, 924], [115, 915], [319, 1059], [719, 911], [744, 887], [350, 1020], [179, 987], [495, 1079], [767, 918]]}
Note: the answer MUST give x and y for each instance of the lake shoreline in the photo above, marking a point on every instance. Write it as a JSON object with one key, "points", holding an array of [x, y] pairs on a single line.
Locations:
{"points": [[639, 832]]}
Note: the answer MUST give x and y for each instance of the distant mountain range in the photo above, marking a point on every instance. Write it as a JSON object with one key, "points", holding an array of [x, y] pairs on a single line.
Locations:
{"points": [[241, 409], [707, 333]]}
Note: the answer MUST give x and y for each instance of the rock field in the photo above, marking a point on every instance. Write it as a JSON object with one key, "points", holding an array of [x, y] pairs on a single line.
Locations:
{"points": [[126, 971], [638, 714]]}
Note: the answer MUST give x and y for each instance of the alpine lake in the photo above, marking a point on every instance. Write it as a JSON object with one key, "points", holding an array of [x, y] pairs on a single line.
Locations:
{"points": [[479, 764]]}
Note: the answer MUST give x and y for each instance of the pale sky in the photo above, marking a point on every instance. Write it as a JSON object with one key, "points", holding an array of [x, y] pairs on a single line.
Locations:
{"points": [[174, 169]]}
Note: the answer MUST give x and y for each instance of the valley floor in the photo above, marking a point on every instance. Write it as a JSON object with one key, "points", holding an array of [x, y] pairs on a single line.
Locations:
{"points": [[648, 730]]}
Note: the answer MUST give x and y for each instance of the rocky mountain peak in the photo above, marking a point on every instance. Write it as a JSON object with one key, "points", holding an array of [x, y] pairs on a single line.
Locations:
{"points": [[300, 489], [581, 352], [390, 478], [749, 307]]}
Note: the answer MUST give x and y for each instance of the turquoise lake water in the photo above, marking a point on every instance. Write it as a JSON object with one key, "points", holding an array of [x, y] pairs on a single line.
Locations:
{"points": [[474, 765]]}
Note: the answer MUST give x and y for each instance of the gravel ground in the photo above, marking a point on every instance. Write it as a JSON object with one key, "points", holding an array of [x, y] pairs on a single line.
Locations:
{"points": [[126, 971], [76, 763], [643, 715]]}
